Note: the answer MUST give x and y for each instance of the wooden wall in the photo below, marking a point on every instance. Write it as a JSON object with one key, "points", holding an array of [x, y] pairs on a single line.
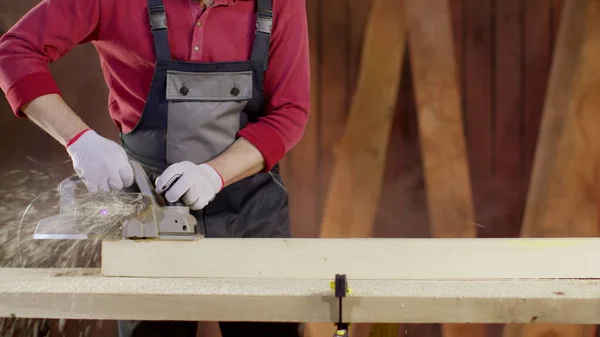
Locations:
{"points": [[504, 50]]}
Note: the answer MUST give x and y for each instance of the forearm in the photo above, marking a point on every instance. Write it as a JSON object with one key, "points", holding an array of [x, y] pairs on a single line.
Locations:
{"points": [[53, 115], [239, 161]]}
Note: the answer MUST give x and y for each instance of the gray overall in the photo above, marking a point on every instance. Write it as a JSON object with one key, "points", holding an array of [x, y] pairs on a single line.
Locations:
{"points": [[192, 113]]}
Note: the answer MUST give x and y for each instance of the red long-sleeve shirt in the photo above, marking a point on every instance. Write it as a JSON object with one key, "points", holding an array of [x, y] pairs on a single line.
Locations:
{"points": [[120, 31]]}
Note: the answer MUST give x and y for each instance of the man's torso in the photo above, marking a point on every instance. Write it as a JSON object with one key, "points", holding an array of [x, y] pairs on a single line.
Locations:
{"points": [[219, 33]]}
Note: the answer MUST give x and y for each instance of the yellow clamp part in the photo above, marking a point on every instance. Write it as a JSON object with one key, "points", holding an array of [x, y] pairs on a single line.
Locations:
{"points": [[332, 286]]}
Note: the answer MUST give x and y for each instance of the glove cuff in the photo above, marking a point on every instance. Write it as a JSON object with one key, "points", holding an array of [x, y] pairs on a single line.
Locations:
{"points": [[77, 136], [82, 145], [220, 177]]}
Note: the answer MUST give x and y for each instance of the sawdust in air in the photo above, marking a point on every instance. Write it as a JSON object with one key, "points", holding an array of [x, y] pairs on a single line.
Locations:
{"points": [[26, 197]]}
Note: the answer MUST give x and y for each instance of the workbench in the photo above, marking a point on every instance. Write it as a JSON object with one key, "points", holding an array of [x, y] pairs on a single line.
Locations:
{"points": [[461, 288], [85, 294]]}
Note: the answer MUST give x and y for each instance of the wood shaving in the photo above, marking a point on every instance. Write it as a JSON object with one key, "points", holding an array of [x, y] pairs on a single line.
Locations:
{"points": [[29, 195]]}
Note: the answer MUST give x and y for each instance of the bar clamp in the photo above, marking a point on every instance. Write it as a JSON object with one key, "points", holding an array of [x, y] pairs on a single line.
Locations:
{"points": [[341, 289]]}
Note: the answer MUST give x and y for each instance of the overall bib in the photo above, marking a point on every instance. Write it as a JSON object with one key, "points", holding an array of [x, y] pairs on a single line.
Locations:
{"points": [[192, 113]]}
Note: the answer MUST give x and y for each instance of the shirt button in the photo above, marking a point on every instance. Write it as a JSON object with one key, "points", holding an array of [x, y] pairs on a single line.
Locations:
{"points": [[199, 23], [196, 48]]}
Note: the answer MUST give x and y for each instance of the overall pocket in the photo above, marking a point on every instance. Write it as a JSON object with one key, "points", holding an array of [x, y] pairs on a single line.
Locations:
{"points": [[204, 112]]}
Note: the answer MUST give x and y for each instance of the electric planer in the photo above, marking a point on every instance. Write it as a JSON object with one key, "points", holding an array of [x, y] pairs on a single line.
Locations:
{"points": [[154, 218]]}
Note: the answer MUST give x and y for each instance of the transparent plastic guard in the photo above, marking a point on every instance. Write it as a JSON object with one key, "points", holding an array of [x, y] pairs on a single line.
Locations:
{"points": [[81, 215], [63, 225]]}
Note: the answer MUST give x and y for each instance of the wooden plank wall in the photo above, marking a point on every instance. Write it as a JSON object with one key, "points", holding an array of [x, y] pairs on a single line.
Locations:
{"points": [[504, 50]]}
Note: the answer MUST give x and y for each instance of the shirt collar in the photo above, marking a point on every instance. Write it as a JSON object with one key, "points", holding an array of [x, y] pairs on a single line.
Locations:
{"points": [[226, 2]]}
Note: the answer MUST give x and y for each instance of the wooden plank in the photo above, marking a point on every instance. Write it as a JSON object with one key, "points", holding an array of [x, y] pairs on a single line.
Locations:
{"points": [[85, 294], [538, 42], [303, 161], [365, 258], [443, 143], [359, 159], [358, 16], [553, 329], [557, 8], [403, 206], [478, 98], [384, 330], [563, 193], [537, 45], [507, 100], [440, 119], [456, 6], [355, 186], [334, 94]]}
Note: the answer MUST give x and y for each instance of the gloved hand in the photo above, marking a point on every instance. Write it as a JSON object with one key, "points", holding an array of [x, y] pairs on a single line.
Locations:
{"points": [[101, 163], [196, 187]]}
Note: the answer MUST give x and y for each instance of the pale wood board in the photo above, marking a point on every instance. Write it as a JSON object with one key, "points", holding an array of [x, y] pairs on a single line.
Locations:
{"points": [[564, 190], [85, 294], [358, 258]]}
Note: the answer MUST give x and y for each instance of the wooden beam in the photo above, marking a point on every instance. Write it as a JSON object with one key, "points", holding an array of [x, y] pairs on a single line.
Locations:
{"points": [[366, 258], [507, 120], [355, 185], [357, 177], [443, 143], [334, 92], [301, 166], [563, 194], [85, 294]]}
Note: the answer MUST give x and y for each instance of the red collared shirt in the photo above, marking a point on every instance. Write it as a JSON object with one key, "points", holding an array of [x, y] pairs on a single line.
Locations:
{"points": [[121, 33]]}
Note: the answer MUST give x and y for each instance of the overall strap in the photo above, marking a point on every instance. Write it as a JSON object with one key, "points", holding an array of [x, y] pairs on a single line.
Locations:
{"points": [[264, 21], [158, 22]]}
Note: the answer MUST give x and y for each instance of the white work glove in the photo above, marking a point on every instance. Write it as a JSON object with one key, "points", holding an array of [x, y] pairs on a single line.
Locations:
{"points": [[196, 187], [101, 163]]}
